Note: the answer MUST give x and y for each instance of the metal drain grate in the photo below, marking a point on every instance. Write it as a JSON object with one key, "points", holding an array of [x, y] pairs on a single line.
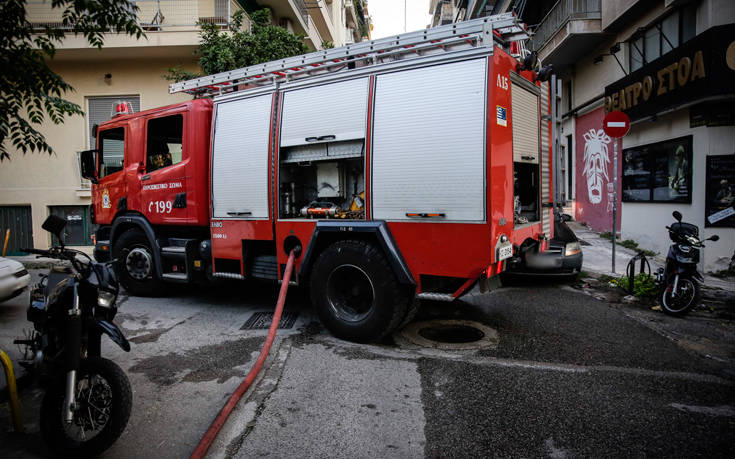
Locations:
{"points": [[262, 321]]}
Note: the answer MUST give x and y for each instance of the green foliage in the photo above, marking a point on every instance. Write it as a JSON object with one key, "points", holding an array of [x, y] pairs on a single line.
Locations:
{"points": [[644, 285], [178, 73], [629, 244], [723, 273], [222, 51], [327, 44], [606, 235], [29, 90]]}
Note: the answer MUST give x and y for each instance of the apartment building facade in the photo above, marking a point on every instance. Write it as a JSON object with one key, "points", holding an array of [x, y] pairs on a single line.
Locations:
{"points": [[34, 185], [669, 65]]}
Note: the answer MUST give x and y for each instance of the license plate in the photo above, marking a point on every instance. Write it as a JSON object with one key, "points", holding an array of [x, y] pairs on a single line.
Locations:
{"points": [[505, 251]]}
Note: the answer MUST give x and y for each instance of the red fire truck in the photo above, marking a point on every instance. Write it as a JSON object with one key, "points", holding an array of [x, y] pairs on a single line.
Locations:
{"points": [[403, 168]]}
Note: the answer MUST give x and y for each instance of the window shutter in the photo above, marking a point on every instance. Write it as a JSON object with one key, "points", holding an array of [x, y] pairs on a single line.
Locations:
{"points": [[99, 110]]}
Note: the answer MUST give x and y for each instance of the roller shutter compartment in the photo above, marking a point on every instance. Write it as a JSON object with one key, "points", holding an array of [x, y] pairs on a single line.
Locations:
{"points": [[429, 143], [240, 158]]}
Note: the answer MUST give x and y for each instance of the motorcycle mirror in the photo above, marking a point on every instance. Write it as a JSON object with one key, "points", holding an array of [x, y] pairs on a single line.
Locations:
{"points": [[677, 215], [54, 225], [714, 238]]}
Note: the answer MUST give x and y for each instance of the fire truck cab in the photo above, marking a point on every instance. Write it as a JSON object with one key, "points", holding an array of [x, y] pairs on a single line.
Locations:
{"points": [[397, 170]]}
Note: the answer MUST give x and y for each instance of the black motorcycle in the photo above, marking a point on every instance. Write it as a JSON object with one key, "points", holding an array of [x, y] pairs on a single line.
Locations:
{"points": [[680, 280], [88, 399]]}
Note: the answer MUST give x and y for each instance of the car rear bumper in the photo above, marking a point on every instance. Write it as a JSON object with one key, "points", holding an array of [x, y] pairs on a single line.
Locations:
{"points": [[552, 262], [12, 286]]}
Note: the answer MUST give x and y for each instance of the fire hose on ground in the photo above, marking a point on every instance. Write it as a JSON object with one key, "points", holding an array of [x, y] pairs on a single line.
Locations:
{"points": [[219, 421], [12, 391]]}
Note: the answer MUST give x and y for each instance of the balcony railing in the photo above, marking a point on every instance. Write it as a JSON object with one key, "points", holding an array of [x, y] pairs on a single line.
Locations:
{"points": [[562, 12], [302, 10], [153, 15]]}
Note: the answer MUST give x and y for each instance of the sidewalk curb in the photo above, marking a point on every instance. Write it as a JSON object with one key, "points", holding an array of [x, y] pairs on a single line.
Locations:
{"points": [[597, 249]]}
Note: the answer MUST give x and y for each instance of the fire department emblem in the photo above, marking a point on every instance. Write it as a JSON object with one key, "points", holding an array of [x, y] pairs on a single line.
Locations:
{"points": [[106, 199]]}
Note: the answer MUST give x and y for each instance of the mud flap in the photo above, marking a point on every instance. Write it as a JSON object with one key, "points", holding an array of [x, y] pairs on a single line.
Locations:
{"points": [[111, 330], [489, 284]]}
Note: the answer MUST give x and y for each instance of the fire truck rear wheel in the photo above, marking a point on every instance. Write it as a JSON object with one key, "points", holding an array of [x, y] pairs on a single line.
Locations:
{"points": [[135, 266], [356, 293]]}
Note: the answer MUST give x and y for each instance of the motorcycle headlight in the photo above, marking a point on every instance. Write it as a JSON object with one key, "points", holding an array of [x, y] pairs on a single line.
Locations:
{"points": [[105, 299], [685, 248], [572, 248]]}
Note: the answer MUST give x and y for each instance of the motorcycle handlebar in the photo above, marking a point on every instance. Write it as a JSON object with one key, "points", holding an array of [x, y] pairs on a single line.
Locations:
{"points": [[59, 254], [36, 251]]}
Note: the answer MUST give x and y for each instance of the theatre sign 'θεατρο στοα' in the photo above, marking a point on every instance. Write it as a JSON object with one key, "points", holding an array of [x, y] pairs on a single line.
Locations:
{"points": [[697, 71]]}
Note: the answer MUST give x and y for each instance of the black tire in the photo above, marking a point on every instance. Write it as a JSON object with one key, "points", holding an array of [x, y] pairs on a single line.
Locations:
{"points": [[109, 389], [136, 267], [356, 293], [413, 309], [686, 299]]}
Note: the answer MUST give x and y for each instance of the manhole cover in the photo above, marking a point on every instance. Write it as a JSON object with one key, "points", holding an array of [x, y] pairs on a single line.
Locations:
{"points": [[451, 334], [262, 321]]}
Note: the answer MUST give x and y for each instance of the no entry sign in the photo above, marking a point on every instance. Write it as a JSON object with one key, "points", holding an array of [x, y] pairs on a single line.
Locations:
{"points": [[616, 124]]}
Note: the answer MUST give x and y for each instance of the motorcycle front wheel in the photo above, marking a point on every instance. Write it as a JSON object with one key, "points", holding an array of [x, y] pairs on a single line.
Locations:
{"points": [[104, 400], [683, 300]]}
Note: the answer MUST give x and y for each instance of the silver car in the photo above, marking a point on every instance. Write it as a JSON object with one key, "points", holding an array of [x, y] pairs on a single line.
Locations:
{"points": [[14, 279]]}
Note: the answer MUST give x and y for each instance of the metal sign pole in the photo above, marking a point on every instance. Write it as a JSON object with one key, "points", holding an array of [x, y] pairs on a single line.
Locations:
{"points": [[615, 124], [615, 200]]}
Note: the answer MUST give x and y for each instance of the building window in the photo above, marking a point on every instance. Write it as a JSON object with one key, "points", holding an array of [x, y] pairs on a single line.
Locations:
{"points": [[99, 110], [164, 142], [658, 172], [662, 36], [79, 226]]}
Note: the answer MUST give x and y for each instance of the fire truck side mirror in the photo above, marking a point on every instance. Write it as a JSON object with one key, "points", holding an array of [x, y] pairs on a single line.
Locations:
{"points": [[89, 165]]}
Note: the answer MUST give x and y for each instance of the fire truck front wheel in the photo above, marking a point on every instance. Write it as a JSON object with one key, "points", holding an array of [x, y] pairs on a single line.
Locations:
{"points": [[135, 266], [356, 293]]}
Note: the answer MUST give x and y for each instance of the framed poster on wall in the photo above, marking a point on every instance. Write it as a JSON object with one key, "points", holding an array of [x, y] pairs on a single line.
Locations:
{"points": [[719, 207], [658, 172]]}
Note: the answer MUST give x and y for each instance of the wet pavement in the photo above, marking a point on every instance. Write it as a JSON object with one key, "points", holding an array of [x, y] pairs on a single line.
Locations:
{"points": [[571, 375]]}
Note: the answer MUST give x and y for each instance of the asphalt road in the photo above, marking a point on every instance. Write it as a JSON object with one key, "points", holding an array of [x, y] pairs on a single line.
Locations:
{"points": [[570, 376]]}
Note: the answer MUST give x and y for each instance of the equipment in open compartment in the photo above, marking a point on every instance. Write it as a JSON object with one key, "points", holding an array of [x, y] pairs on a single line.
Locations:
{"points": [[315, 180]]}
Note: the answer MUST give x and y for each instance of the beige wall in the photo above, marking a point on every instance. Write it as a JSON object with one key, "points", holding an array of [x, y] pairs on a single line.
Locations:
{"points": [[41, 180], [644, 222], [612, 10], [590, 79]]}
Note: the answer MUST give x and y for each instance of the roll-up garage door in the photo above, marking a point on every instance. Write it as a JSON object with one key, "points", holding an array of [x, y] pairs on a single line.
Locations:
{"points": [[240, 158], [328, 113], [17, 219], [546, 177], [525, 118], [429, 143]]}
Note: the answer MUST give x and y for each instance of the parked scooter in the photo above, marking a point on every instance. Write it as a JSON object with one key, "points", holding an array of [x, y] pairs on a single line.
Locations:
{"points": [[679, 279], [88, 398]]}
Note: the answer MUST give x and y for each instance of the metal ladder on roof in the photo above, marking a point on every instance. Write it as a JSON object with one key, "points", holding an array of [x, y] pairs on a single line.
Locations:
{"points": [[500, 28]]}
